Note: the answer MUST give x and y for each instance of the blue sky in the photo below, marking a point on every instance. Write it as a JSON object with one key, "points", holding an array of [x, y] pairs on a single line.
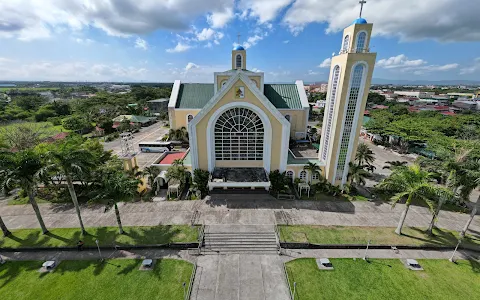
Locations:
{"points": [[160, 41]]}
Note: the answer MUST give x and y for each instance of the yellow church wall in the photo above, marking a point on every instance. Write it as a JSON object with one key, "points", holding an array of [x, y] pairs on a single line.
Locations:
{"points": [[346, 62], [257, 80], [181, 117], [297, 120], [244, 60], [220, 79], [249, 98], [353, 30]]}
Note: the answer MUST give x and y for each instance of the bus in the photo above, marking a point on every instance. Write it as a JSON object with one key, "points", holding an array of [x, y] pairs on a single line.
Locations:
{"points": [[155, 146]]}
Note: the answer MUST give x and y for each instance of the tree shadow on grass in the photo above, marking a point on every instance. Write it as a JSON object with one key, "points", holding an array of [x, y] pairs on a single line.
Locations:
{"points": [[129, 268], [14, 269], [440, 237], [151, 235]]}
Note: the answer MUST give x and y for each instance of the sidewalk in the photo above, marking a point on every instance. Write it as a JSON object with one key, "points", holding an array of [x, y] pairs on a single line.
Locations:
{"points": [[248, 211]]}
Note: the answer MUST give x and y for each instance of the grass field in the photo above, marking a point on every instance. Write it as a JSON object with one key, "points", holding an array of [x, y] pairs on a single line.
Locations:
{"points": [[384, 279], [377, 235], [107, 236], [79, 280], [46, 129]]}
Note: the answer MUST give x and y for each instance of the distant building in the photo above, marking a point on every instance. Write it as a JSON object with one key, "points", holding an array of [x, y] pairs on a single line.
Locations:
{"points": [[158, 105], [416, 94], [466, 105]]}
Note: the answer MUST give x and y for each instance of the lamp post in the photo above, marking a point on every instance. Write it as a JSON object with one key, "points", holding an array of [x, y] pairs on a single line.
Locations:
{"points": [[365, 255], [451, 259], [99, 252], [294, 289]]}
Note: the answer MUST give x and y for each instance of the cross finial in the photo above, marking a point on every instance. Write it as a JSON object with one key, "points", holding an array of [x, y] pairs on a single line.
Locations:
{"points": [[238, 38], [362, 2]]}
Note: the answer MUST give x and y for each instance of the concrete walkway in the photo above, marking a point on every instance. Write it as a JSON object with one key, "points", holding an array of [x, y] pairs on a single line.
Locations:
{"points": [[249, 211]]}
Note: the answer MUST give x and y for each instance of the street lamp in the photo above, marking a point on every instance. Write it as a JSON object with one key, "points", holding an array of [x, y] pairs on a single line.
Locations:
{"points": [[99, 252], [294, 289], [451, 259]]}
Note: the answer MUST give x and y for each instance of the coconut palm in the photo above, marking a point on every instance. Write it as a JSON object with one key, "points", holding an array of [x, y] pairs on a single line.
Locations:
{"points": [[394, 164], [472, 176], [117, 187], [357, 173], [364, 155], [312, 168], [4, 228], [151, 173], [70, 161], [442, 196], [22, 169], [410, 184]]}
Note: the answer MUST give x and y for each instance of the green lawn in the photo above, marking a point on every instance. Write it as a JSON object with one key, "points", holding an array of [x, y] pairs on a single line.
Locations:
{"points": [[377, 235], [384, 279], [107, 236], [112, 279]]}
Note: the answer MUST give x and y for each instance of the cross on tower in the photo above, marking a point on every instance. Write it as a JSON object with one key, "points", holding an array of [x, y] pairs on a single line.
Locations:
{"points": [[362, 2], [238, 38]]}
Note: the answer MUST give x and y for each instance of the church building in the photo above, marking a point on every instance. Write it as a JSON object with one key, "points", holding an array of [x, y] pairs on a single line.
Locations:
{"points": [[241, 128]]}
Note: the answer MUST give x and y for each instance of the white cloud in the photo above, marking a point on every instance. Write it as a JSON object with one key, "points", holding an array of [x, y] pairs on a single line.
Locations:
{"points": [[70, 71], [473, 68], [446, 20], [180, 47], [35, 19], [263, 10], [208, 34], [84, 41], [141, 44], [256, 70], [325, 63], [220, 18], [190, 66], [311, 73], [286, 41], [399, 61], [402, 63]]}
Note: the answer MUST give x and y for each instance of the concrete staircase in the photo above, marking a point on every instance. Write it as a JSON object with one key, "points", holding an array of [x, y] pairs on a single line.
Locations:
{"points": [[240, 239]]}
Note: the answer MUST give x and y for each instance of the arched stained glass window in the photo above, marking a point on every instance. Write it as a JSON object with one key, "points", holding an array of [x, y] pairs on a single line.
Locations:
{"points": [[238, 61], [239, 135], [346, 43]]}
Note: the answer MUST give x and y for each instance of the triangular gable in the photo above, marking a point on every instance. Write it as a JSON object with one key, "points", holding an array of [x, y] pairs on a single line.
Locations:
{"points": [[230, 83]]}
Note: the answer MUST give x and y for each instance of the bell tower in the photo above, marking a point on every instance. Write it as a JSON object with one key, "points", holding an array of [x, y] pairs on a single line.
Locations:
{"points": [[239, 58], [349, 83]]}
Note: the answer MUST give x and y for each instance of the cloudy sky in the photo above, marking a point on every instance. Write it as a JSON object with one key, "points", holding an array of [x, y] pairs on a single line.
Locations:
{"points": [[163, 40]]}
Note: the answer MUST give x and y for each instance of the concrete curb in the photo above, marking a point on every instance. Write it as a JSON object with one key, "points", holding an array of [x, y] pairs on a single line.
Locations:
{"points": [[179, 246], [289, 245]]}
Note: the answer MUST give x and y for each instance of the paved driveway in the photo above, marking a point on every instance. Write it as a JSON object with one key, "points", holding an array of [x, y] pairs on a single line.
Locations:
{"points": [[240, 277]]}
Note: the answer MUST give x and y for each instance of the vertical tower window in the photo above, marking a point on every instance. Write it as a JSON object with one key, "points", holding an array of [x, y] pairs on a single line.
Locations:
{"points": [[348, 122], [346, 43], [330, 107], [361, 38], [238, 61], [239, 135]]}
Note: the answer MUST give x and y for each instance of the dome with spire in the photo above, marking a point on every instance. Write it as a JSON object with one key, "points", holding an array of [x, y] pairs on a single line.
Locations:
{"points": [[238, 48], [360, 21]]}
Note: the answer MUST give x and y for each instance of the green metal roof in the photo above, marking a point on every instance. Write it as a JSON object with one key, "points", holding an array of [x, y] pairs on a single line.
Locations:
{"points": [[196, 95], [283, 95]]}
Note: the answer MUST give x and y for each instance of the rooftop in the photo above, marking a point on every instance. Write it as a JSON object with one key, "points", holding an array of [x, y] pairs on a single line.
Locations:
{"points": [[170, 157], [196, 95]]}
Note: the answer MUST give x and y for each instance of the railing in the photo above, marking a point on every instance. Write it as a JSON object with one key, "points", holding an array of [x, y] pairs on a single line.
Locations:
{"points": [[192, 278], [277, 238], [365, 50], [201, 235], [285, 273]]}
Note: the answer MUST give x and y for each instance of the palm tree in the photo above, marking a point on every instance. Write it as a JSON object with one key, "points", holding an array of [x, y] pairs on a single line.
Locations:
{"points": [[357, 173], [364, 155], [151, 173], [394, 164], [4, 228], [117, 187], [443, 194], [71, 161], [472, 174], [22, 169], [413, 184], [312, 168]]}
